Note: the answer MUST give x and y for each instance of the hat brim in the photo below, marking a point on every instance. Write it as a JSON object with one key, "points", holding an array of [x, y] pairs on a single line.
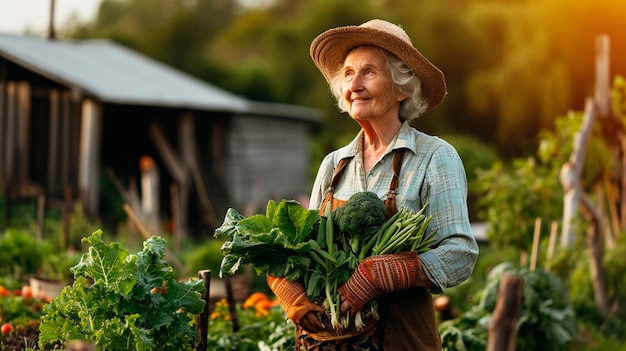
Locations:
{"points": [[330, 49]]}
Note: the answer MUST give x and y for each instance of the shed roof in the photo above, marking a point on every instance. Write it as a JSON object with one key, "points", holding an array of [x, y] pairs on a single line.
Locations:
{"points": [[111, 73]]}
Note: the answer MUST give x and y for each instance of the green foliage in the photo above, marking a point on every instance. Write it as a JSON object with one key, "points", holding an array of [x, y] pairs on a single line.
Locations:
{"points": [[273, 242], [57, 264], [514, 198], [546, 320], [258, 327], [475, 154], [112, 304], [80, 226], [19, 253], [19, 309], [519, 67], [207, 255]]}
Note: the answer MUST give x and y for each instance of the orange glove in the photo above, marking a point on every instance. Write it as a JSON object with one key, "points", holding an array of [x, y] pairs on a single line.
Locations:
{"points": [[378, 274], [292, 297]]}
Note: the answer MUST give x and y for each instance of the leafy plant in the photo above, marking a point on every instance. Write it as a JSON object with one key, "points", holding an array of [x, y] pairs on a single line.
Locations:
{"points": [[206, 255], [123, 301], [57, 264], [19, 252], [273, 242], [546, 321], [515, 196]]}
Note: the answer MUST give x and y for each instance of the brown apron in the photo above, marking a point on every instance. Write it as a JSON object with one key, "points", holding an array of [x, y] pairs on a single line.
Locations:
{"points": [[407, 318]]}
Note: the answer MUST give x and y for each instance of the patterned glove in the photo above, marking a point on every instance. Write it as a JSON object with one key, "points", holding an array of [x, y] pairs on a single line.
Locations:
{"points": [[378, 274], [292, 297]]}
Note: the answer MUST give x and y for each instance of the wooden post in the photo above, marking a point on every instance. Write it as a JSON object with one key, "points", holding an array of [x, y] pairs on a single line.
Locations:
{"points": [[11, 130], [22, 141], [41, 215], [179, 171], [552, 243], [230, 297], [65, 218], [67, 140], [203, 319], [150, 186], [571, 174], [3, 129], [595, 249], [503, 324], [51, 31], [53, 143], [535, 248], [88, 174], [176, 220]]}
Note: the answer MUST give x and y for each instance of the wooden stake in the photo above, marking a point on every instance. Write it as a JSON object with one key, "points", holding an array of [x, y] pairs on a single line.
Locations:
{"points": [[535, 249], [203, 319], [230, 297], [503, 325], [41, 214], [65, 218], [176, 220], [523, 257], [552, 243]]}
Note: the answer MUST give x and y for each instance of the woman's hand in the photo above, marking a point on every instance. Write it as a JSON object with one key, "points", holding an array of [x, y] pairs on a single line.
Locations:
{"points": [[311, 323], [296, 304], [346, 307], [376, 275]]}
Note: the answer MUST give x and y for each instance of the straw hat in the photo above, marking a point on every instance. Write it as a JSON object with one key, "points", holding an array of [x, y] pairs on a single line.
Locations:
{"points": [[330, 49]]}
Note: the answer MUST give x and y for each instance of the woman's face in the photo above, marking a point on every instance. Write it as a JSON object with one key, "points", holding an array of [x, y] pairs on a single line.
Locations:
{"points": [[367, 87]]}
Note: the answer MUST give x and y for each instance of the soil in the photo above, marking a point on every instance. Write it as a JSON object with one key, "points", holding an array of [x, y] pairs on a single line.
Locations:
{"points": [[20, 339]]}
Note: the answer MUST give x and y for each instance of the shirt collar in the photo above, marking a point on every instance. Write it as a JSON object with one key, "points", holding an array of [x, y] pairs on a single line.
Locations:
{"points": [[403, 140]]}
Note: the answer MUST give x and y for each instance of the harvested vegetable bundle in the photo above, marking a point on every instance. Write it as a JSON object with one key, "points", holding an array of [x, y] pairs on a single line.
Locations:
{"points": [[321, 250], [363, 232]]}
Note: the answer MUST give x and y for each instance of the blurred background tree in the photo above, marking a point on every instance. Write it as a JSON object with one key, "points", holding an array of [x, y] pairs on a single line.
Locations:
{"points": [[511, 66]]}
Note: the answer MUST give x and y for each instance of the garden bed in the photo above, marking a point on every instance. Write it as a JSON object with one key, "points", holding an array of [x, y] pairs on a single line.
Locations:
{"points": [[21, 338]]}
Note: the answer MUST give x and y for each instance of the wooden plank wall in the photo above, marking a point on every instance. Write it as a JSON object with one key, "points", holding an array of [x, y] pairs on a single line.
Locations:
{"points": [[14, 136], [267, 158]]}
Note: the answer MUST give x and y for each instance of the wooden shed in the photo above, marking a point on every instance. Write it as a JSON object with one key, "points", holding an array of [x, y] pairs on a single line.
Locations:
{"points": [[73, 113]]}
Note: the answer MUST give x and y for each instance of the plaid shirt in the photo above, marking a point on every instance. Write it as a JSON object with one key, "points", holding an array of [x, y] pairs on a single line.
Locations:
{"points": [[431, 172]]}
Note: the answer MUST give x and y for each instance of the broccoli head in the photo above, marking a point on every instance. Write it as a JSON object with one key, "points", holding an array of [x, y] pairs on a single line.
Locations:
{"points": [[362, 214]]}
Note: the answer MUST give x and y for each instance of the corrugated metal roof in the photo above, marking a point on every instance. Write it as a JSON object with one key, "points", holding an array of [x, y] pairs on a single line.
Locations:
{"points": [[111, 73]]}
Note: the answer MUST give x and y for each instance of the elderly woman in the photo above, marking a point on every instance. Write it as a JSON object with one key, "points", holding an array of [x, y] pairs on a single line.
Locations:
{"points": [[382, 81]]}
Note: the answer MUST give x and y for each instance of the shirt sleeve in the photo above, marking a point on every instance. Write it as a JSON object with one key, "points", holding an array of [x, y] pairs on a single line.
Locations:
{"points": [[454, 253]]}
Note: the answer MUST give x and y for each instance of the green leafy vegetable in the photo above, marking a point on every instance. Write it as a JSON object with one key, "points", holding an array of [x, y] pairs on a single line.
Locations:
{"points": [[122, 301], [321, 250], [275, 242]]}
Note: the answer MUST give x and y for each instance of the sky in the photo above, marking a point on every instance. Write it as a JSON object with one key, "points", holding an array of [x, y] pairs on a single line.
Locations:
{"points": [[16, 16]]}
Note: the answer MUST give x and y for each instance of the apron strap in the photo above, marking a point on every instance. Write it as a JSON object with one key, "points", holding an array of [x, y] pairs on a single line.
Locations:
{"points": [[390, 202], [333, 183]]}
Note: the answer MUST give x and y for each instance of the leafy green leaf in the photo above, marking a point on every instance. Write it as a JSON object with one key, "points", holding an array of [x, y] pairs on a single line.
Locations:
{"points": [[111, 303]]}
